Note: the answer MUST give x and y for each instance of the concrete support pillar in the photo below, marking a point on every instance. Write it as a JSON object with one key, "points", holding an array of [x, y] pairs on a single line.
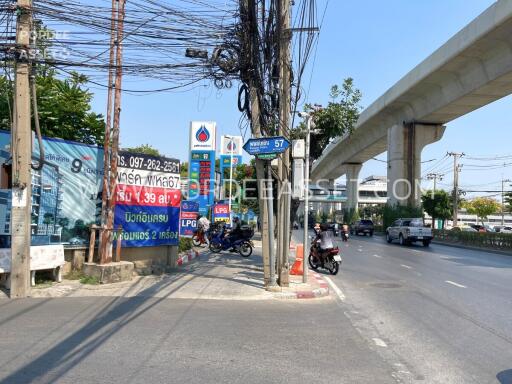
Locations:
{"points": [[331, 193], [405, 143], [352, 175]]}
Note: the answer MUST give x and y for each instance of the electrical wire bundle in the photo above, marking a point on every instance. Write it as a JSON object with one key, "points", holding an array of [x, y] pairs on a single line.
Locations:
{"points": [[157, 35], [260, 40]]}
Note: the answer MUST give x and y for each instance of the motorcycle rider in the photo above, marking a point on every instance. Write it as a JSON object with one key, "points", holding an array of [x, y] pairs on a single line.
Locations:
{"points": [[235, 232], [345, 231], [203, 224], [324, 236]]}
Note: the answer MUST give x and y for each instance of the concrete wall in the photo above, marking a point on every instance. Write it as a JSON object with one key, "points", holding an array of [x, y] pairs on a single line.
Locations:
{"points": [[147, 260]]}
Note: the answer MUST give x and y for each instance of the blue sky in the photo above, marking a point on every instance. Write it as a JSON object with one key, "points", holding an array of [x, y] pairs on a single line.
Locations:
{"points": [[375, 42]]}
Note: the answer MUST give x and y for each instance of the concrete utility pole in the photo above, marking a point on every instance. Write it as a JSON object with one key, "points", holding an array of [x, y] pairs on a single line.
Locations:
{"points": [[21, 147], [249, 17], [435, 176], [284, 32], [306, 200], [456, 170], [503, 181]]}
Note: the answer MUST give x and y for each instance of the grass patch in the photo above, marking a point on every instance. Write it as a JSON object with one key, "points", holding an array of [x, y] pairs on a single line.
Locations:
{"points": [[92, 280], [74, 275]]}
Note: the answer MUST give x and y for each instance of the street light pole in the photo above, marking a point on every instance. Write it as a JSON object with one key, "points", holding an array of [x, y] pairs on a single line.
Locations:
{"points": [[230, 172], [306, 198], [503, 181]]}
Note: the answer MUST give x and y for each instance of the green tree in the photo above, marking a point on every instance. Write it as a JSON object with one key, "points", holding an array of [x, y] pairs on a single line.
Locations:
{"points": [[438, 205], [184, 169], [146, 149], [337, 118], [482, 207], [63, 107], [64, 103], [508, 201]]}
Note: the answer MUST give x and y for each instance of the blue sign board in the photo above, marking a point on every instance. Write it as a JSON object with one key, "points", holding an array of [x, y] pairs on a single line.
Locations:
{"points": [[264, 145], [188, 218]]}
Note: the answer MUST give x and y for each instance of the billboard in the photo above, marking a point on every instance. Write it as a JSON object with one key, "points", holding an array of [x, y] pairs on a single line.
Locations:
{"points": [[202, 164], [148, 196], [203, 136], [231, 145], [66, 195], [66, 192]]}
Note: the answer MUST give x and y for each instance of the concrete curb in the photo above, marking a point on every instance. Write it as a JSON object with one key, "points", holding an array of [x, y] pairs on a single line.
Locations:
{"points": [[321, 291], [186, 257], [471, 248]]}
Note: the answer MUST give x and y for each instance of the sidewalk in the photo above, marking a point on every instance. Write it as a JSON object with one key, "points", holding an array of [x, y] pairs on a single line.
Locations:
{"points": [[225, 276]]}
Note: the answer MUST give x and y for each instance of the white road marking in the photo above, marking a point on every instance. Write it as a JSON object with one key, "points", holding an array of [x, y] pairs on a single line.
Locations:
{"points": [[335, 288], [405, 266], [360, 250], [377, 256], [456, 284], [379, 342]]}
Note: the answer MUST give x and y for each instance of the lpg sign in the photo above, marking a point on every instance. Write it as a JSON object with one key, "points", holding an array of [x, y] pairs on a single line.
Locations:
{"points": [[221, 213], [188, 218]]}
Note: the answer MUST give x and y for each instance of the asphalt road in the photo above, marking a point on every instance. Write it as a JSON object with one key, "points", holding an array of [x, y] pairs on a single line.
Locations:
{"points": [[399, 314], [443, 314]]}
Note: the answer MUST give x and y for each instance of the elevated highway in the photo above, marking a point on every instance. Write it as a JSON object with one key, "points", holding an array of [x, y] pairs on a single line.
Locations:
{"points": [[472, 69]]}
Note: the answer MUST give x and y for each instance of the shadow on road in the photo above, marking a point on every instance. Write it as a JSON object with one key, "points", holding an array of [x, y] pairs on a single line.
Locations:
{"points": [[55, 362]]}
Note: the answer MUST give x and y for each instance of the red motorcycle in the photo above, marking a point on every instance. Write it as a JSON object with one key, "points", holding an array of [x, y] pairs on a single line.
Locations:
{"points": [[199, 238], [329, 259]]}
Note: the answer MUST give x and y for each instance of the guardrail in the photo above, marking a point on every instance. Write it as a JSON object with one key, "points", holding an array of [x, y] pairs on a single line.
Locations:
{"points": [[487, 240]]}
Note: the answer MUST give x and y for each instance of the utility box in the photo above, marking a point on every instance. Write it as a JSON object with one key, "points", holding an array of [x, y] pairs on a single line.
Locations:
{"points": [[298, 179], [298, 149]]}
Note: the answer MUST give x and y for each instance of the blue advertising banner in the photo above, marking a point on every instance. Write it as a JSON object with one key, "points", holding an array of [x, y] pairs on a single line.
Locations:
{"points": [[148, 226], [188, 218], [148, 199]]}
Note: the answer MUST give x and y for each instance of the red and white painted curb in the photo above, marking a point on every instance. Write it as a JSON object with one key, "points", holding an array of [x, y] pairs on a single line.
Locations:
{"points": [[187, 257], [321, 291]]}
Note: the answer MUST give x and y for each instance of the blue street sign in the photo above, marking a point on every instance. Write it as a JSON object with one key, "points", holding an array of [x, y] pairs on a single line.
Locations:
{"points": [[277, 144]]}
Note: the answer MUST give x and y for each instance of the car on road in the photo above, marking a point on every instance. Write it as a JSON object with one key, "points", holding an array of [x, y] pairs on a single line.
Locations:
{"points": [[362, 227], [506, 230], [408, 231], [464, 228]]}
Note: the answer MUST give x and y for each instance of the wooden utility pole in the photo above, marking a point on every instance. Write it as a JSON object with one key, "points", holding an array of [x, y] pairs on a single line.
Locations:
{"points": [[284, 34], [21, 147], [106, 192], [456, 170], [109, 228]]}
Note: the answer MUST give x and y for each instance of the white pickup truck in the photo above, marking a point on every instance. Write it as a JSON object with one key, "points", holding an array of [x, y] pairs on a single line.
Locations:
{"points": [[407, 231]]}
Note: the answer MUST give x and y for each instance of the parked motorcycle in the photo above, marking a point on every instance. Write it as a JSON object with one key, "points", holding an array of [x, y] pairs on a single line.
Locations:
{"points": [[330, 259], [243, 245], [200, 238]]}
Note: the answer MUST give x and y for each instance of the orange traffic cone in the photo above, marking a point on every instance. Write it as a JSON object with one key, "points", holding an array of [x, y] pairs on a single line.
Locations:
{"points": [[298, 267]]}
